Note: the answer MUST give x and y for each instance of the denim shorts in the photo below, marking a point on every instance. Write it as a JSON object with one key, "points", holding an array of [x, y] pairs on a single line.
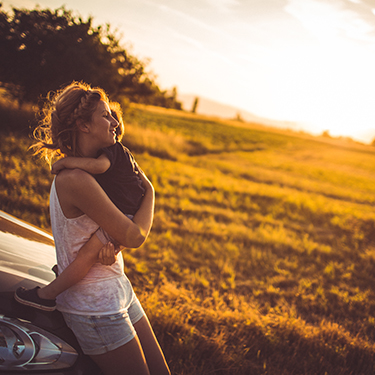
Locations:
{"points": [[101, 334]]}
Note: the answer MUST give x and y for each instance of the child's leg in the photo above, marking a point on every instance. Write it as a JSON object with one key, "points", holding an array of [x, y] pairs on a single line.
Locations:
{"points": [[76, 271]]}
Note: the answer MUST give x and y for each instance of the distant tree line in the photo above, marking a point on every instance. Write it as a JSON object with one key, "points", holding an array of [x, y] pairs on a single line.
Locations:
{"points": [[42, 50]]}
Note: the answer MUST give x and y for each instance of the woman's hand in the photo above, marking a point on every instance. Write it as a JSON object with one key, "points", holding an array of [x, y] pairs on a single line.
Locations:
{"points": [[145, 181], [107, 254]]}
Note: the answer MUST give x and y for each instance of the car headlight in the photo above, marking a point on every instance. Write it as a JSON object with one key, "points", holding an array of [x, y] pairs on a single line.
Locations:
{"points": [[25, 346]]}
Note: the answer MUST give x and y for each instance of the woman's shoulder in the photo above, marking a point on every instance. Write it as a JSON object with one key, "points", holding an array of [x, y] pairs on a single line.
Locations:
{"points": [[78, 192], [72, 174], [73, 178]]}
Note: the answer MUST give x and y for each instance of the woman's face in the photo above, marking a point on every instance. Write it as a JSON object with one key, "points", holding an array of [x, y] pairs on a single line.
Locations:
{"points": [[103, 126]]}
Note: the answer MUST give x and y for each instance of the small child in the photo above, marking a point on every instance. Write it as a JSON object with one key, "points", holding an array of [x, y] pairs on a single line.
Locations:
{"points": [[118, 174]]}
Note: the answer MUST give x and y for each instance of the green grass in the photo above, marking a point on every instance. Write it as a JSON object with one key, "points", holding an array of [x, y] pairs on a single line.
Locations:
{"points": [[261, 259]]}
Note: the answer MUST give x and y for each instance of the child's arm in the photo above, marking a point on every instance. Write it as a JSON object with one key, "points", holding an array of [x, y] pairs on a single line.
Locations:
{"points": [[88, 255], [90, 165]]}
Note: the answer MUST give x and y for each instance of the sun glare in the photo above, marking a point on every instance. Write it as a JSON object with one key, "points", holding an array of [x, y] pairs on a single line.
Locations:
{"points": [[323, 85]]}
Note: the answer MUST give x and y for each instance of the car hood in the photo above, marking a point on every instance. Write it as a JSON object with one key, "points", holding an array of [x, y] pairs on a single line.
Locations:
{"points": [[27, 254]]}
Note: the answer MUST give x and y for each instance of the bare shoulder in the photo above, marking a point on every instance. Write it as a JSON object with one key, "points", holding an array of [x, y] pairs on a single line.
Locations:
{"points": [[73, 184], [73, 179], [78, 191]]}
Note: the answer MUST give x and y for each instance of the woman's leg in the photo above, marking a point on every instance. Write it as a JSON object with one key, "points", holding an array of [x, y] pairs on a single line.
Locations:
{"points": [[151, 348], [128, 359]]}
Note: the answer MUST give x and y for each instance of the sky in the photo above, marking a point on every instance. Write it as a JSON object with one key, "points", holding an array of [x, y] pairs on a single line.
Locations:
{"points": [[305, 61]]}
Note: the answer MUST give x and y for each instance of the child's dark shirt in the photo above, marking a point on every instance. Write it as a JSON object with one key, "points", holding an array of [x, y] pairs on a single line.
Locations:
{"points": [[121, 181]]}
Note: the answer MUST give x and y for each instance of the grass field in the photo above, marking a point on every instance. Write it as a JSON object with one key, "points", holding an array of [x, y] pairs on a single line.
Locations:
{"points": [[261, 259]]}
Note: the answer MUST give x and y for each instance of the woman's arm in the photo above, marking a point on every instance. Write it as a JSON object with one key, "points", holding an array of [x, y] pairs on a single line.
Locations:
{"points": [[77, 189], [79, 193], [90, 165], [145, 214]]}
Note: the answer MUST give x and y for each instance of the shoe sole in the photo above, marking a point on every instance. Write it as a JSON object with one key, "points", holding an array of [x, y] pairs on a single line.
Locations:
{"points": [[33, 304]]}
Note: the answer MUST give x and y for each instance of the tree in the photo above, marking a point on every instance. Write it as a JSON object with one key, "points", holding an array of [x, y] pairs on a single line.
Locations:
{"points": [[195, 105], [239, 117], [159, 98], [41, 50]]}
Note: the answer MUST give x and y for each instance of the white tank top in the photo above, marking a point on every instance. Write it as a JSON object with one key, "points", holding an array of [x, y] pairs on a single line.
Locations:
{"points": [[105, 289]]}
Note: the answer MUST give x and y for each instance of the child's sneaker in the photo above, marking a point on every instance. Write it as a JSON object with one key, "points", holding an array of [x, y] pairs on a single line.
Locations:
{"points": [[55, 270], [30, 297]]}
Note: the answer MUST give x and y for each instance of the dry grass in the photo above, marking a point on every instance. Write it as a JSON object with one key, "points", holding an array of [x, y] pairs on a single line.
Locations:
{"points": [[262, 255]]}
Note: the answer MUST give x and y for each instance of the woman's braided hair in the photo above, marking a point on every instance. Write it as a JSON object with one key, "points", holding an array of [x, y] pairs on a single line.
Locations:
{"points": [[57, 131]]}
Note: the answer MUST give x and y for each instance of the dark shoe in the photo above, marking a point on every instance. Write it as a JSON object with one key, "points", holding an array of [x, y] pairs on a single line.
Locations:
{"points": [[30, 297], [55, 270]]}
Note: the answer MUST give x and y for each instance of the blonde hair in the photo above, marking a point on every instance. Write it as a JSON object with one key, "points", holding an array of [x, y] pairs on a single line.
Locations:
{"points": [[57, 130]]}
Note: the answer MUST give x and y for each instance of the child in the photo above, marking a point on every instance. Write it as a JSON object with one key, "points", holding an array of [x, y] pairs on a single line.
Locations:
{"points": [[118, 174]]}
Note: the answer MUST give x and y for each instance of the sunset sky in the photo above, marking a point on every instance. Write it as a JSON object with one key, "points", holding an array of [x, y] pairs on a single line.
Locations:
{"points": [[310, 61]]}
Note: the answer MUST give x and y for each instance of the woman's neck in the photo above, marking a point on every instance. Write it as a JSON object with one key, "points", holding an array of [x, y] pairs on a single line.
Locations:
{"points": [[87, 149]]}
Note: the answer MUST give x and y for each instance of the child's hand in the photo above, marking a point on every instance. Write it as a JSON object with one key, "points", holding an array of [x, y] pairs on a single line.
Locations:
{"points": [[58, 166], [107, 254]]}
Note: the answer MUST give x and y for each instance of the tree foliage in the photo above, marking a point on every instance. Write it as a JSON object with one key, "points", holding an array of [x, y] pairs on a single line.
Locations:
{"points": [[195, 105], [41, 50]]}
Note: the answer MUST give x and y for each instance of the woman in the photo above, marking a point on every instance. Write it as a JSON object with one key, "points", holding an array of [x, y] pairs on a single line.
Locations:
{"points": [[102, 309]]}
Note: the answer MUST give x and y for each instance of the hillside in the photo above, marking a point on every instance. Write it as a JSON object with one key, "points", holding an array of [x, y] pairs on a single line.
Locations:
{"points": [[261, 259], [213, 108]]}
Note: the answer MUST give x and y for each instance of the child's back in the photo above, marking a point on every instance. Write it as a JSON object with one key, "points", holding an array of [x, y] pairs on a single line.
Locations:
{"points": [[121, 181]]}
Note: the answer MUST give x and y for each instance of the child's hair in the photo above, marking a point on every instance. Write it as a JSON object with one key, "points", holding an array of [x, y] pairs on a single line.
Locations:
{"points": [[57, 130], [117, 114]]}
